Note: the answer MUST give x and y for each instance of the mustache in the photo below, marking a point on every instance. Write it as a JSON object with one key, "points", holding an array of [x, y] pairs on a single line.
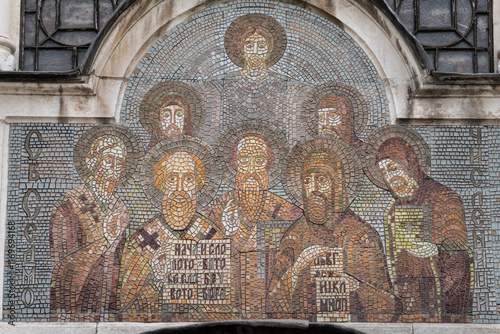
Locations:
{"points": [[242, 180], [317, 207], [173, 130], [179, 202]]}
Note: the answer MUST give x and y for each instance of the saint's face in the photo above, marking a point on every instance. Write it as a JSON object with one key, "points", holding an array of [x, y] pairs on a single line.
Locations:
{"points": [[255, 51], [330, 112], [172, 120], [398, 178], [110, 168], [252, 163], [179, 200], [317, 187]]}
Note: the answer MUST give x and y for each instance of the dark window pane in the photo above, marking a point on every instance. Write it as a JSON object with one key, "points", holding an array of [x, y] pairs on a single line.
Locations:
{"points": [[77, 14], [48, 15], [483, 62], [435, 13], [431, 58], [407, 14], [55, 60], [29, 60], [482, 5], [105, 11], [464, 16], [30, 30], [456, 61], [30, 5], [75, 37], [482, 31], [81, 55], [438, 38]]}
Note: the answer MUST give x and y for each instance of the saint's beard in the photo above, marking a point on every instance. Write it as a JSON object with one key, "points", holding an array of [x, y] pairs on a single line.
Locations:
{"points": [[179, 208], [105, 185], [403, 187], [318, 207], [251, 192], [255, 62], [172, 130]]}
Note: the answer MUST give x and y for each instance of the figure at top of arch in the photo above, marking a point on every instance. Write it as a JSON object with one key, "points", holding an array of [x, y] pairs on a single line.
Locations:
{"points": [[255, 42]]}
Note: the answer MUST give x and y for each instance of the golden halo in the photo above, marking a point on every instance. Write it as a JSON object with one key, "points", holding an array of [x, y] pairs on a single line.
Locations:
{"points": [[269, 24], [134, 150], [379, 136], [187, 144], [158, 91], [355, 99], [292, 169]]}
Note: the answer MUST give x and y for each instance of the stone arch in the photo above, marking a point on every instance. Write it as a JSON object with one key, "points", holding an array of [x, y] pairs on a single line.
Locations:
{"points": [[398, 57]]}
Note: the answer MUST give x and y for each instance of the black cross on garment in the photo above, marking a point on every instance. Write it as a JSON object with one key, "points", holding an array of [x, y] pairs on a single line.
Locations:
{"points": [[89, 207], [149, 240]]}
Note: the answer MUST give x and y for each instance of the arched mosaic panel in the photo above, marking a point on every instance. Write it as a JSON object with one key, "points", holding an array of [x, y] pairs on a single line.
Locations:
{"points": [[254, 175]]}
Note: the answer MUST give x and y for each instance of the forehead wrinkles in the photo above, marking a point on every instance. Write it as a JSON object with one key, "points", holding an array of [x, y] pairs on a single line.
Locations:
{"points": [[251, 143], [180, 161], [116, 151], [256, 38]]}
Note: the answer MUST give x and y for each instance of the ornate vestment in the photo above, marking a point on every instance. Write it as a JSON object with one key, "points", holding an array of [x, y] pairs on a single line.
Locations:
{"points": [[144, 285], [86, 239]]}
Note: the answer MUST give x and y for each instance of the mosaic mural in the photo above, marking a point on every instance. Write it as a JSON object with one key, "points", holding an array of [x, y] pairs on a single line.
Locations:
{"points": [[254, 175]]}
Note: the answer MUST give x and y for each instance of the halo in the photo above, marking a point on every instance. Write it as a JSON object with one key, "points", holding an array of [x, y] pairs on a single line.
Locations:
{"points": [[379, 136], [292, 169], [134, 150], [155, 93], [186, 144], [272, 135], [265, 21], [356, 100]]}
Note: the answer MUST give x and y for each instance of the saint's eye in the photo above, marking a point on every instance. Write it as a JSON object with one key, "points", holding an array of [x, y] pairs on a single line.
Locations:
{"points": [[262, 45], [322, 179], [166, 114], [249, 46], [307, 180], [260, 160], [180, 113]]}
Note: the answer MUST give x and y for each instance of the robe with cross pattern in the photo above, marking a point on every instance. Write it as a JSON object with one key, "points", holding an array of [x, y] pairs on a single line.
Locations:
{"points": [[86, 240], [141, 283]]}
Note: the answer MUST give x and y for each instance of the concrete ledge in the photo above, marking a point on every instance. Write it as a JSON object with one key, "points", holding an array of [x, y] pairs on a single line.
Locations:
{"points": [[134, 328]]}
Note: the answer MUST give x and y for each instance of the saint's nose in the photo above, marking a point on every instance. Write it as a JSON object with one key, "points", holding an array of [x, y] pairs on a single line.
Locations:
{"points": [[179, 184]]}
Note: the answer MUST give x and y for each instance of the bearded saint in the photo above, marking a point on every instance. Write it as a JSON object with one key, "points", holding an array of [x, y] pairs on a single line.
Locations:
{"points": [[430, 263], [87, 234], [148, 253], [237, 213], [328, 225]]}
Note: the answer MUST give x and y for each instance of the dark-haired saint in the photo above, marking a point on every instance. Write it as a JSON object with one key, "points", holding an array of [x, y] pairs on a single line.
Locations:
{"points": [[430, 262]]}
